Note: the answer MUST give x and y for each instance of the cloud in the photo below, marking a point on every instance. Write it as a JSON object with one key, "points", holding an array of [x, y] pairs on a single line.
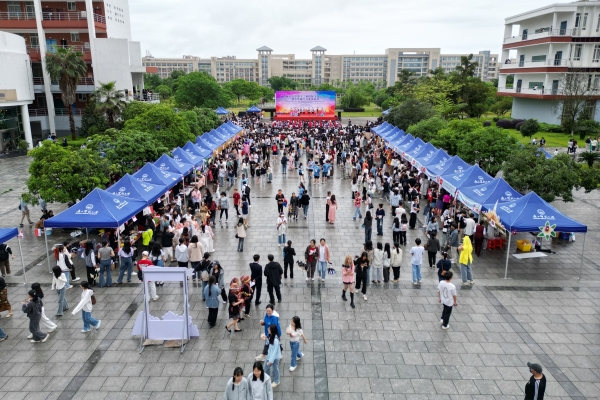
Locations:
{"points": [[234, 27]]}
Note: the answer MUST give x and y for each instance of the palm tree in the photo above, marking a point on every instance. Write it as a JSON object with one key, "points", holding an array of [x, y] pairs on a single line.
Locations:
{"points": [[467, 68], [109, 101], [589, 157], [66, 66]]}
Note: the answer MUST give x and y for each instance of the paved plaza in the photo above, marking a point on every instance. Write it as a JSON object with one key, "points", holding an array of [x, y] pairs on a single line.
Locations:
{"points": [[389, 347]]}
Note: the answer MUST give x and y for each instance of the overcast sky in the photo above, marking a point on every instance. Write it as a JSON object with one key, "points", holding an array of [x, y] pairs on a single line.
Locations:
{"points": [[171, 28]]}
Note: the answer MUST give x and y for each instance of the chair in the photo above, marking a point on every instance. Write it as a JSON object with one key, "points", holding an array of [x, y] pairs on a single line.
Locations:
{"points": [[495, 243]]}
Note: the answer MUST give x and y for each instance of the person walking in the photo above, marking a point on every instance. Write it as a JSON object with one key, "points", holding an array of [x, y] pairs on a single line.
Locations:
{"points": [[33, 308], [211, 294], [195, 255], [447, 297], [377, 263], [126, 263], [294, 330], [403, 229], [241, 234], [357, 203], [396, 230], [311, 257], [536, 387], [327, 205], [433, 246], [379, 214], [5, 254], [443, 266], [324, 259], [145, 262], [260, 383], [274, 273], [256, 274], [105, 254], [478, 236], [293, 207], [224, 207], [288, 260], [24, 207], [245, 209], [348, 279], [331, 212], [305, 203], [279, 197], [362, 267], [368, 225], [273, 355], [85, 305], [466, 258], [453, 243], [282, 224], [417, 259], [59, 282], [217, 271], [45, 322], [387, 259], [234, 306], [396, 261], [238, 387], [247, 293], [91, 264]]}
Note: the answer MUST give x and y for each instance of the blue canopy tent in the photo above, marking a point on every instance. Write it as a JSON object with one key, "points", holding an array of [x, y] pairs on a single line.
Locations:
{"points": [[416, 144], [378, 128], [235, 127], [452, 166], [8, 233], [423, 160], [197, 150], [531, 213], [545, 152], [407, 144], [383, 132], [253, 109], [470, 177], [221, 111], [168, 164], [128, 186], [415, 152], [200, 141], [393, 138], [403, 140], [152, 175], [182, 156], [386, 112], [211, 137], [497, 190]]}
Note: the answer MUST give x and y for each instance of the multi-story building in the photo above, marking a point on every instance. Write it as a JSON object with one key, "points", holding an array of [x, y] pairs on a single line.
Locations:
{"points": [[99, 29], [487, 64], [164, 66], [542, 46], [380, 69]]}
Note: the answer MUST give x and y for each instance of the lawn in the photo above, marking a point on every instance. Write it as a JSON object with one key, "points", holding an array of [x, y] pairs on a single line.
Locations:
{"points": [[553, 140]]}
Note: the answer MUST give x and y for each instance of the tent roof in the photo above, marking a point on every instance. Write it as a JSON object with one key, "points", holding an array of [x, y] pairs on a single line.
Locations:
{"points": [[545, 152], [200, 141], [253, 109], [381, 127], [531, 212], [453, 165], [8, 233], [428, 149], [497, 190], [183, 156], [386, 112], [168, 164], [221, 111], [472, 176], [416, 146], [407, 144], [99, 209], [130, 187], [149, 173], [427, 159], [197, 150]]}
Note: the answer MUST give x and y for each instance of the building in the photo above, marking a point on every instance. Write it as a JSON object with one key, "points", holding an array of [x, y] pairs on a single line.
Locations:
{"points": [[380, 69], [100, 29], [164, 66], [540, 47]]}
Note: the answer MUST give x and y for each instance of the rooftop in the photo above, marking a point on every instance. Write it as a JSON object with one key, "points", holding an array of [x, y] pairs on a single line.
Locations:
{"points": [[318, 48]]}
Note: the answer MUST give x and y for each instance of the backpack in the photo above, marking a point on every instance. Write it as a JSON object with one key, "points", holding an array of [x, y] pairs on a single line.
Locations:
{"points": [[3, 252], [93, 298], [204, 275]]}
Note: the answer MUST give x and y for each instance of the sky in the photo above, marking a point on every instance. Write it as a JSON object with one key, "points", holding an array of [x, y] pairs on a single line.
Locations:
{"points": [[204, 28]]}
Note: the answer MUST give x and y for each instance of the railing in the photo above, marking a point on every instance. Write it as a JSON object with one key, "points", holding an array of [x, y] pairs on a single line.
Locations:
{"points": [[65, 112], [546, 33], [82, 81], [534, 64], [64, 16], [38, 81], [147, 97], [538, 91], [27, 16], [50, 48], [38, 112], [100, 18]]}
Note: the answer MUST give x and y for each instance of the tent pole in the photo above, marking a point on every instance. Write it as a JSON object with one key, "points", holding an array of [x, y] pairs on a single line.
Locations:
{"points": [[119, 248], [22, 260], [582, 252], [47, 255], [86, 234], [507, 254]]}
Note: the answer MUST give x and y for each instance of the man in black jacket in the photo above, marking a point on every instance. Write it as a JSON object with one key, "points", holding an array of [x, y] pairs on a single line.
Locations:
{"points": [[535, 388], [273, 272], [256, 274]]}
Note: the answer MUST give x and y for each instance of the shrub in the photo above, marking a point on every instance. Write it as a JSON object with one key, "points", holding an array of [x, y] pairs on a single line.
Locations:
{"points": [[496, 119], [515, 122], [356, 109], [504, 123], [529, 127], [544, 127], [519, 125], [487, 123], [587, 128]]}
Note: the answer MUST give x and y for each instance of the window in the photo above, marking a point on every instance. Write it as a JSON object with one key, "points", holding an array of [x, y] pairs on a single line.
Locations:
{"points": [[34, 39], [576, 52], [81, 96], [74, 36], [71, 6], [577, 20], [598, 24], [585, 17], [596, 57]]}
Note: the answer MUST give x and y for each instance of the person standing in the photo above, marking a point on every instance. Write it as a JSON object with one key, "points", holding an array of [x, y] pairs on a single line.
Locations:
{"points": [[396, 262], [324, 258], [245, 209], [4, 304], [348, 279], [362, 268], [211, 294], [181, 254], [126, 263], [33, 308], [466, 258], [237, 199], [310, 256], [91, 264], [443, 266], [327, 205], [470, 225], [241, 229], [387, 259], [24, 207], [447, 297], [195, 255], [217, 271], [279, 197], [5, 254], [357, 203], [282, 224], [64, 262], [145, 262], [260, 383], [536, 387], [377, 263], [332, 210], [414, 210], [288, 260], [295, 332], [395, 201], [256, 274], [368, 225], [224, 207], [379, 214], [59, 282], [293, 207], [273, 272], [417, 259], [403, 228], [453, 243], [105, 254], [85, 305], [478, 236], [237, 387], [273, 355], [433, 246], [234, 306]]}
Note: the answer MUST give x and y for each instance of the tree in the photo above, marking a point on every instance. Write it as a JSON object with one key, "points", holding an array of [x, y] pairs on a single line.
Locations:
{"points": [[93, 121], [207, 119], [164, 91], [59, 174], [428, 129], [404, 85], [527, 170], [198, 89], [488, 147], [135, 108], [176, 74], [574, 89], [266, 92], [467, 68], [380, 98], [409, 112], [354, 97], [167, 127], [475, 93], [590, 179], [530, 127], [239, 88], [66, 66], [432, 89], [502, 105], [109, 101], [390, 102], [152, 81], [282, 83], [589, 157], [449, 138]]}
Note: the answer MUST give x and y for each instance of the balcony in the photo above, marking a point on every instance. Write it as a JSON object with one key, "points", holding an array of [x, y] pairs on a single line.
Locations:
{"points": [[82, 81], [17, 20], [550, 35], [536, 66], [59, 112], [71, 20], [35, 55], [546, 94]]}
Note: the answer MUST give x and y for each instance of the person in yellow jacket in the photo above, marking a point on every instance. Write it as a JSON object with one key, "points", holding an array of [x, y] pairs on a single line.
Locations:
{"points": [[465, 260], [147, 238]]}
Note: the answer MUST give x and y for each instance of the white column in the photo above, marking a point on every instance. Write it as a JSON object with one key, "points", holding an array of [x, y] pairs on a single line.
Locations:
{"points": [[47, 89], [26, 125], [92, 33]]}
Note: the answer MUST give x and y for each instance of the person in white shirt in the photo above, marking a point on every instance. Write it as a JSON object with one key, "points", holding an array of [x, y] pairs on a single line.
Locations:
{"points": [[417, 259], [470, 228], [294, 330], [59, 282], [85, 306], [447, 297]]}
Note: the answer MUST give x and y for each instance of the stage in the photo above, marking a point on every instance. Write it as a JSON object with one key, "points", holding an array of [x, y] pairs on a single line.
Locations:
{"points": [[304, 117]]}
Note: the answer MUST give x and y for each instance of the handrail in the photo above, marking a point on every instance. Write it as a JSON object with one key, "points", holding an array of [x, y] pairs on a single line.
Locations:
{"points": [[24, 16], [64, 16], [524, 64], [549, 32], [100, 18], [87, 81], [40, 112]]}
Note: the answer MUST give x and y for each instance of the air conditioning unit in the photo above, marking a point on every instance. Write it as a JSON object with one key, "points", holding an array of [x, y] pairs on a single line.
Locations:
{"points": [[83, 14], [86, 45]]}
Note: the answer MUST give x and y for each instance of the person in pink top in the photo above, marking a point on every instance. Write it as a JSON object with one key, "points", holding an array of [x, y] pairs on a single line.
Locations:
{"points": [[332, 209], [348, 279]]}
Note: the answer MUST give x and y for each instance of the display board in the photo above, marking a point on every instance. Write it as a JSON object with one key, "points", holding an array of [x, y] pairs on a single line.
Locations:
{"points": [[311, 105]]}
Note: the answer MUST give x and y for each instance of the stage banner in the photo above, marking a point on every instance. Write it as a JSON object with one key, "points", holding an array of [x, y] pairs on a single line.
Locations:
{"points": [[306, 104]]}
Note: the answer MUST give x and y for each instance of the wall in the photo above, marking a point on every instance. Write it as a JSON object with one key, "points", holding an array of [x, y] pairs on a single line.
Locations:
{"points": [[15, 69], [542, 110], [117, 19], [62, 124], [112, 63]]}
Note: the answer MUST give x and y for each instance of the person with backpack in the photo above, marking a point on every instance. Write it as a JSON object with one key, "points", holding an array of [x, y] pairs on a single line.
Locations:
{"points": [[5, 254], [202, 271], [86, 303]]}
